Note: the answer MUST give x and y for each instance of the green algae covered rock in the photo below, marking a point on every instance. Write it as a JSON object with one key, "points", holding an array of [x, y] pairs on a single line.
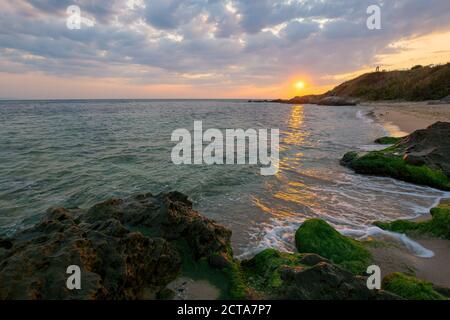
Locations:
{"points": [[317, 236], [264, 269], [386, 164], [305, 276], [422, 157], [438, 226], [410, 288]]}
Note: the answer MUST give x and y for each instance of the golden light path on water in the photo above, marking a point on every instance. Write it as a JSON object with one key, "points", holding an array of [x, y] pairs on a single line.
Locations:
{"points": [[288, 190]]}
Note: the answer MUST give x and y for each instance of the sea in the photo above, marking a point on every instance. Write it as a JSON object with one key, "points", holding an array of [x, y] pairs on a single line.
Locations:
{"points": [[75, 153]]}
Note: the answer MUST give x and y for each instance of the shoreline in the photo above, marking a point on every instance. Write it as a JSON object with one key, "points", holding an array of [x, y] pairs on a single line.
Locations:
{"points": [[401, 118]]}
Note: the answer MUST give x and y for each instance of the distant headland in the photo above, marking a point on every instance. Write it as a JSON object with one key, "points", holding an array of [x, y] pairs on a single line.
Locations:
{"points": [[420, 83]]}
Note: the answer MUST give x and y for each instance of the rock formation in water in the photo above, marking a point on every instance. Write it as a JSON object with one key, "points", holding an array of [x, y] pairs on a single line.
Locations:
{"points": [[422, 157]]}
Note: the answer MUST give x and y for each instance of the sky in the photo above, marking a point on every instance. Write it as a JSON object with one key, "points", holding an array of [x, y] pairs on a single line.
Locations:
{"points": [[209, 48]]}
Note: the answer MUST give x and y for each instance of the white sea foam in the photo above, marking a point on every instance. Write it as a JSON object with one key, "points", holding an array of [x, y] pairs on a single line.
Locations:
{"points": [[360, 114], [414, 247]]}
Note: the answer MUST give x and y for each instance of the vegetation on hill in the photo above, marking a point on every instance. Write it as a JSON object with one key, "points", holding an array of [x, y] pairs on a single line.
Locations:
{"points": [[418, 83]]}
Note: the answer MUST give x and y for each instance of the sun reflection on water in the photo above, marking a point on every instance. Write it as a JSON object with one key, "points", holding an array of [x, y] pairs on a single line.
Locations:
{"points": [[284, 187]]}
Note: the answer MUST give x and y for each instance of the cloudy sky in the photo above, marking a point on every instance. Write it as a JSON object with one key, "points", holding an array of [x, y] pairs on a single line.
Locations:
{"points": [[209, 48]]}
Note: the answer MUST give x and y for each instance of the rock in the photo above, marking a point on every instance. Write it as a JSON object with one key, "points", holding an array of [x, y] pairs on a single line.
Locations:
{"points": [[348, 158], [309, 99], [337, 101], [326, 281], [124, 248], [438, 226], [430, 146], [311, 259], [445, 100], [320, 100], [414, 159], [219, 261], [442, 290], [317, 236], [166, 294], [281, 275], [411, 288], [263, 270], [422, 157]]}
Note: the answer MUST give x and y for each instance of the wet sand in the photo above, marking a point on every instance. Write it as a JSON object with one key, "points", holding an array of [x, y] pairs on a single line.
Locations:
{"points": [[188, 289], [396, 258]]}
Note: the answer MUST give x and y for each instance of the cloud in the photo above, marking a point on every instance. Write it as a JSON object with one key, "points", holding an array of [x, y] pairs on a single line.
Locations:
{"points": [[231, 41]]}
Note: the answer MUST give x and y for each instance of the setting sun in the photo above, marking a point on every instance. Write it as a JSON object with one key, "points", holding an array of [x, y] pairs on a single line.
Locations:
{"points": [[300, 85]]}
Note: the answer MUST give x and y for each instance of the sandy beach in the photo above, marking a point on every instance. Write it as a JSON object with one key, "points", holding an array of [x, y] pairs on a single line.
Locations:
{"points": [[402, 118]]}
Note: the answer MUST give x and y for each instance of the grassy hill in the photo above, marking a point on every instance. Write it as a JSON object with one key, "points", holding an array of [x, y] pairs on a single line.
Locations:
{"points": [[418, 83]]}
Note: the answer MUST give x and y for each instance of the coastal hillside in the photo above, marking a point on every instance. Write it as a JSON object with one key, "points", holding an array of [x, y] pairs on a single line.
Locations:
{"points": [[418, 83]]}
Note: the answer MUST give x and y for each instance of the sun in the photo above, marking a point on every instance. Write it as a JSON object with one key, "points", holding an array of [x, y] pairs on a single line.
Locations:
{"points": [[300, 85]]}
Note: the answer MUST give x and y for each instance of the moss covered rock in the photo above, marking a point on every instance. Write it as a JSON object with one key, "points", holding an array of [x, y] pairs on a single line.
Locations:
{"points": [[264, 270], [386, 163], [317, 236], [280, 275], [437, 226], [422, 157], [410, 288]]}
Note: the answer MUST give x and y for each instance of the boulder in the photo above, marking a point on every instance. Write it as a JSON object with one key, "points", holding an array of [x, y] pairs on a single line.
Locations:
{"points": [[317, 236], [326, 281], [411, 288], [430, 146], [124, 248]]}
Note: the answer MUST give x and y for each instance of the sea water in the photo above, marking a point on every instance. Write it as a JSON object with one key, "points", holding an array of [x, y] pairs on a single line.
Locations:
{"points": [[77, 153]]}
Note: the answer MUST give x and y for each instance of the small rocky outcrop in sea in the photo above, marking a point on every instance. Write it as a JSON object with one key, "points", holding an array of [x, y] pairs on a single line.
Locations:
{"points": [[422, 157], [323, 99], [126, 249]]}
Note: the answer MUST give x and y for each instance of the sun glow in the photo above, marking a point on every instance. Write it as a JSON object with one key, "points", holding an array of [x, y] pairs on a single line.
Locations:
{"points": [[299, 85]]}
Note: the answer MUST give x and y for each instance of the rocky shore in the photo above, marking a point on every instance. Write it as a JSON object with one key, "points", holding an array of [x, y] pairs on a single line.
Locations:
{"points": [[142, 247]]}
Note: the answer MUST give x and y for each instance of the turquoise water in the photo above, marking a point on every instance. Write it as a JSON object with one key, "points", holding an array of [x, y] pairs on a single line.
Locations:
{"points": [[76, 153]]}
